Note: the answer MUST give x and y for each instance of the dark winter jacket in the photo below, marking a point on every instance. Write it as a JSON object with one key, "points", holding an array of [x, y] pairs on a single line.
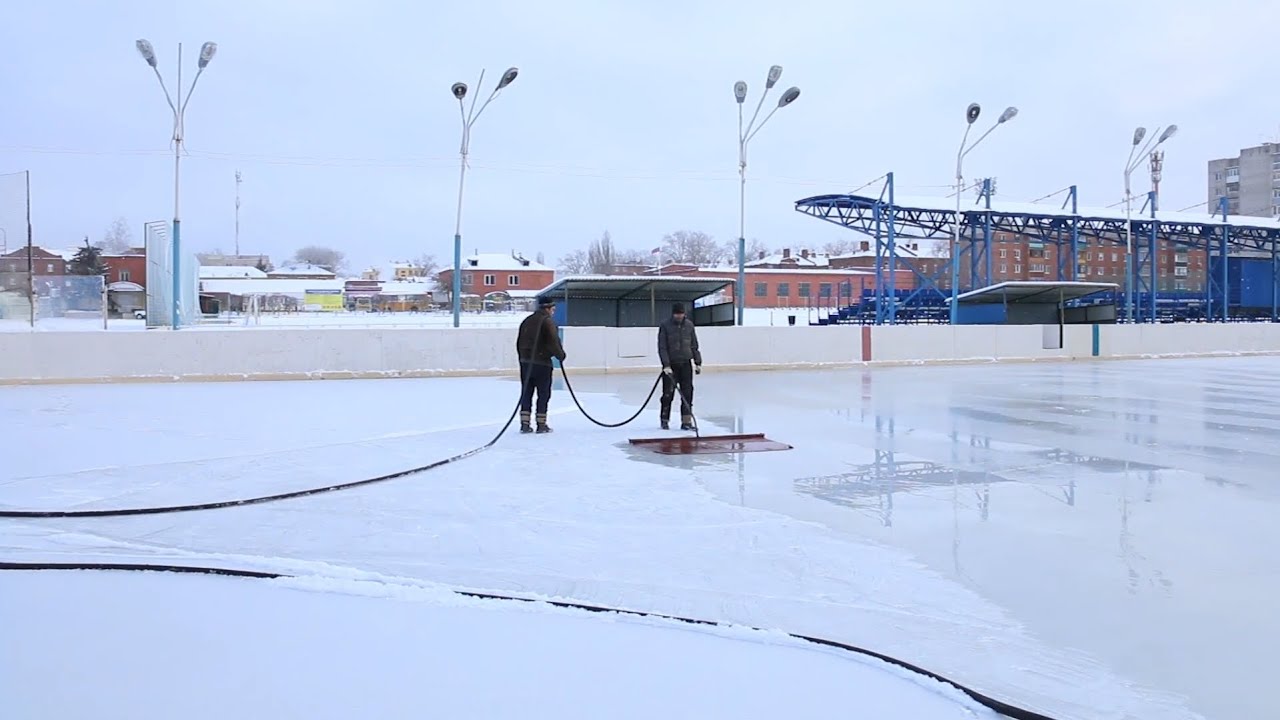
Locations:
{"points": [[539, 339], [678, 342]]}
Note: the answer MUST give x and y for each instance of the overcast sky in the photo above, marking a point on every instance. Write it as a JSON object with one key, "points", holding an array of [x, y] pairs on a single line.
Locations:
{"points": [[338, 113]]}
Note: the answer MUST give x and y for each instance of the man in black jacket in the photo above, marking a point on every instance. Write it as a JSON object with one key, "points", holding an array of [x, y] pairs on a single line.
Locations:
{"points": [[681, 360], [537, 342]]}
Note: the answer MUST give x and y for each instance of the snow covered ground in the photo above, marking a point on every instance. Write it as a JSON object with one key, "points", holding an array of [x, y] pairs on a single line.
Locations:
{"points": [[1091, 540], [204, 648]]}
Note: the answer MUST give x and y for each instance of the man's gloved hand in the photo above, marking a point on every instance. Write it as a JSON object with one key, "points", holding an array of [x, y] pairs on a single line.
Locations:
{"points": [[697, 369], [666, 371], [561, 357]]}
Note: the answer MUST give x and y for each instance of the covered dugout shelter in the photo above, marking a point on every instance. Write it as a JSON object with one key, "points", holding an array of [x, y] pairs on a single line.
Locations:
{"points": [[1037, 303], [635, 300]]}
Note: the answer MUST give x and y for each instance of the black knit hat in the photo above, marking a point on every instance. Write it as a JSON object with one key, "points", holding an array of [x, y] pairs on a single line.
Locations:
{"points": [[677, 308], [547, 302]]}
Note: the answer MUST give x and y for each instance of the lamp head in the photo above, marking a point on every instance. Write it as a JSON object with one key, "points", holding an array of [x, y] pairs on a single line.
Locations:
{"points": [[147, 52], [1168, 133], [789, 96], [1138, 133], [775, 72], [972, 113], [459, 90], [508, 77], [740, 91], [207, 51], [1009, 113]]}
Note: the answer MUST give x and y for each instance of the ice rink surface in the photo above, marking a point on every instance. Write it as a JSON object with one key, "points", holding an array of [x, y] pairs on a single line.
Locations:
{"points": [[1091, 540]]}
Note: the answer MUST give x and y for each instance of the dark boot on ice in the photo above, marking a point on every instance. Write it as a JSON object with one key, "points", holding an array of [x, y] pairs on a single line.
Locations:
{"points": [[525, 427], [666, 424], [686, 422], [543, 427]]}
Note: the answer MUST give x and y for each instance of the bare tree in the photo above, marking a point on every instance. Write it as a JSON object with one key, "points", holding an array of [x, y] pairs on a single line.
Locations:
{"points": [[118, 238], [428, 263], [575, 263], [332, 260], [693, 248], [755, 249], [601, 257], [843, 246]]}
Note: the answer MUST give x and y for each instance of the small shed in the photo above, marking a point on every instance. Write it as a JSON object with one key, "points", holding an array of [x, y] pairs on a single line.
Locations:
{"points": [[1036, 303], [635, 300]]}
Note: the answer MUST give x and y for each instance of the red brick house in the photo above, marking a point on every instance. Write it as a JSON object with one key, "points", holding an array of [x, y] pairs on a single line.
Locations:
{"points": [[495, 274], [129, 266]]}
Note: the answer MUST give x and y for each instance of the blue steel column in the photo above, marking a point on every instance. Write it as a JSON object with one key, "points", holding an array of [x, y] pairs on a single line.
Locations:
{"points": [[1075, 234], [1153, 254], [1275, 281], [457, 280], [1225, 278], [880, 278], [893, 254], [986, 230]]}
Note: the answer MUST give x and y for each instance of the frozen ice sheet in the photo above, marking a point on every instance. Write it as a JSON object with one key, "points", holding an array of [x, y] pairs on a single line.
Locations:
{"points": [[1090, 539]]}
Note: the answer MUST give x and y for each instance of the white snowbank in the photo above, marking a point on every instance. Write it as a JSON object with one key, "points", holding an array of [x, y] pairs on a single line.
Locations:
{"points": [[170, 646]]}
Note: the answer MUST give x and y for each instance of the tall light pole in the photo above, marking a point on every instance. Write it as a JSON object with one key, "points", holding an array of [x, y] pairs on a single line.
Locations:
{"points": [[744, 137], [148, 53], [237, 214], [971, 116], [1130, 282], [469, 117]]}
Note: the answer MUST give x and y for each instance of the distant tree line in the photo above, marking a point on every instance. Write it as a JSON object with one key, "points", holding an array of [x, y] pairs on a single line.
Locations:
{"points": [[683, 247]]}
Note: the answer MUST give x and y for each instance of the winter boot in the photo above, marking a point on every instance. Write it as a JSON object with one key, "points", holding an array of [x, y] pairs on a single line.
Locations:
{"points": [[543, 427], [525, 427], [665, 424], [686, 422]]}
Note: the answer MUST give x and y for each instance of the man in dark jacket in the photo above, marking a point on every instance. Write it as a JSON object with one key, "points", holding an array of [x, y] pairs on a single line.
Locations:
{"points": [[537, 342], [681, 360]]}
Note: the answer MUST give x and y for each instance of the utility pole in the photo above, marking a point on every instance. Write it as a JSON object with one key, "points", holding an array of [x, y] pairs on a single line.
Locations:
{"points": [[1157, 163], [237, 213]]}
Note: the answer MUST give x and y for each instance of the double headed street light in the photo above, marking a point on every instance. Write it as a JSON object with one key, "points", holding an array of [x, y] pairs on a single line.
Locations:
{"points": [[1130, 281], [469, 117], [744, 137], [148, 53], [971, 116]]}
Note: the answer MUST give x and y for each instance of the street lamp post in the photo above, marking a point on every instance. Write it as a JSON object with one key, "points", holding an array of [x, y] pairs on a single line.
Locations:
{"points": [[148, 53], [971, 116], [744, 137], [469, 117], [1130, 281]]}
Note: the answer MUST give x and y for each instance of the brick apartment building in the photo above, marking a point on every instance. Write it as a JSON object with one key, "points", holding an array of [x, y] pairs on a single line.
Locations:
{"points": [[1018, 257], [486, 273]]}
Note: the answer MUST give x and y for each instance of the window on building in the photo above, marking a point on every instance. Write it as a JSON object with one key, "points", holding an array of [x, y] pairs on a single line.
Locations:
{"points": [[1004, 253], [1082, 270], [1233, 172], [1180, 272], [803, 289], [1217, 176], [466, 279], [490, 280], [1004, 268], [513, 280], [1017, 253], [824, 290], [1017, 269], [1039, 268], [124, 276], [762, 289], [784, 289], [1115, 257], [1179, 284]]}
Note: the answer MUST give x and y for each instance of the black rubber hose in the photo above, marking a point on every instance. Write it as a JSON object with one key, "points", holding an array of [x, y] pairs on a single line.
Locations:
{"points": [[999, 706], [166, 509], [583, 410]]}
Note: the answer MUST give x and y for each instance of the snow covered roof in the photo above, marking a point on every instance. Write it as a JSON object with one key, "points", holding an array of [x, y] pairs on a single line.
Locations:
{"points": [[226, 272], [301, 269], [405, 287], [269, 286], [906, 247], [813, 260], [816, 272], [501, 263]]}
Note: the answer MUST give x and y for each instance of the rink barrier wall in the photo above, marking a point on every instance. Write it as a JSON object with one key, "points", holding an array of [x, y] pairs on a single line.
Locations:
{"points": [[340, 353]]}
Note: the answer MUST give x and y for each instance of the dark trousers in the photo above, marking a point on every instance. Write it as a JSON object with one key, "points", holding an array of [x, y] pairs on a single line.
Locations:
{"points": [[535, 377], [682, 377]]}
